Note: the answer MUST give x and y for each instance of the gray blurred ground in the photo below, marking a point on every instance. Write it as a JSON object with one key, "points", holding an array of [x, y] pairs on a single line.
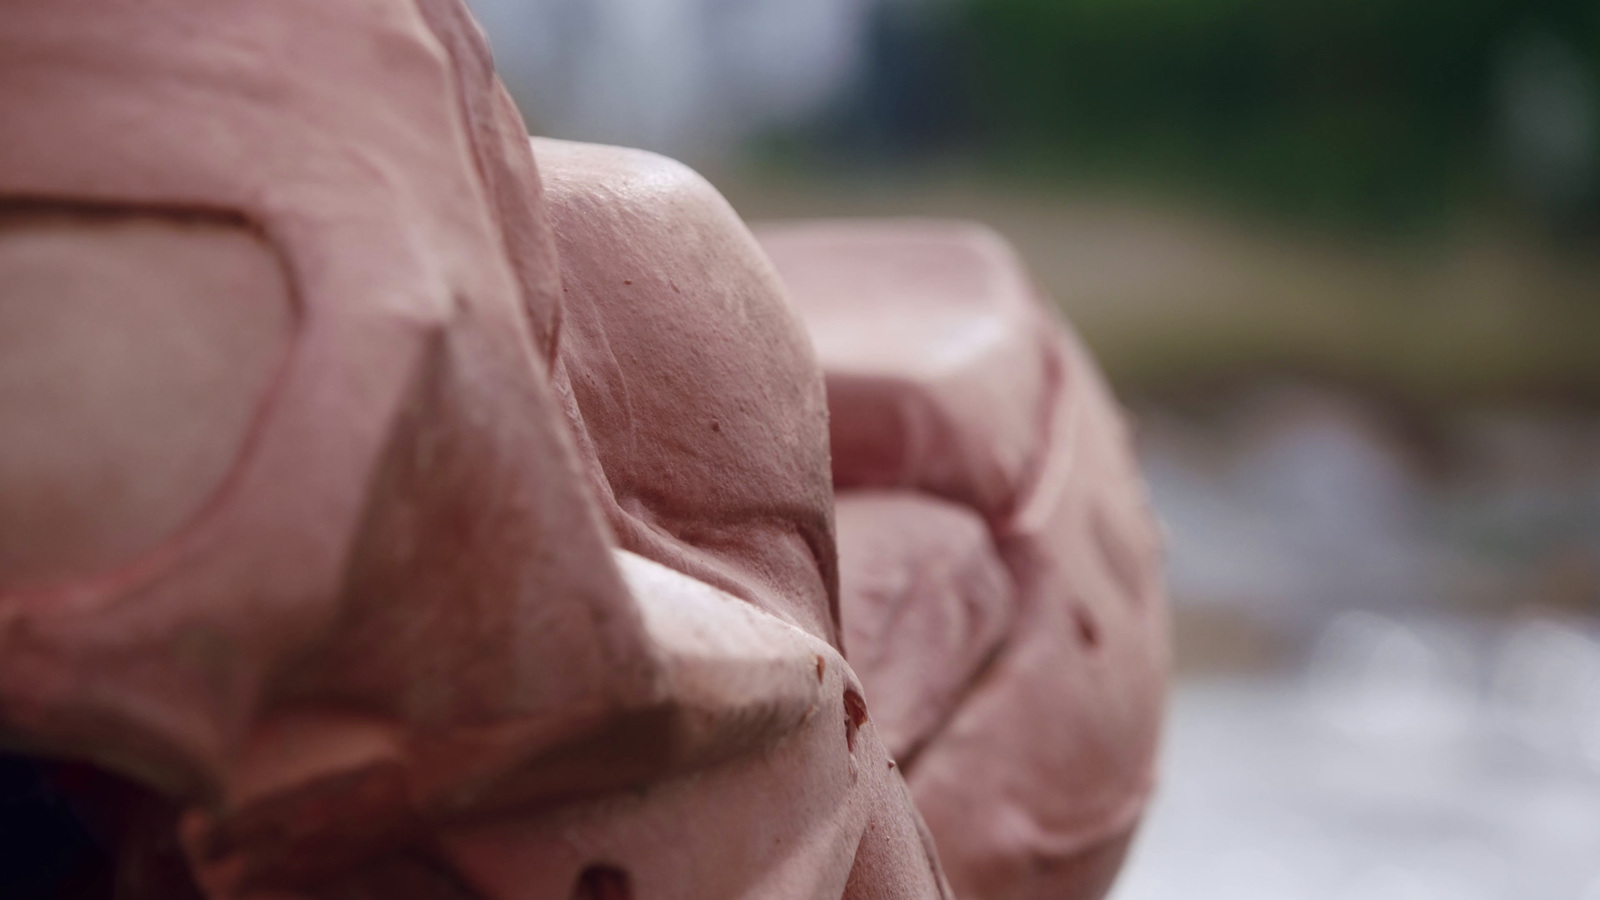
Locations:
{"points": [[1409, 783], [1389, 675]]}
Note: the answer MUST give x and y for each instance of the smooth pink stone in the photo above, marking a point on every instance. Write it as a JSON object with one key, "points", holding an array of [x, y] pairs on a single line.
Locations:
{"points": [[928, 605], [947, 377]]}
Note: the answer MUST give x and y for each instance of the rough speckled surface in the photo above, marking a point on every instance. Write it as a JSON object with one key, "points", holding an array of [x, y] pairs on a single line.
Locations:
{"points": [[690, 382]]}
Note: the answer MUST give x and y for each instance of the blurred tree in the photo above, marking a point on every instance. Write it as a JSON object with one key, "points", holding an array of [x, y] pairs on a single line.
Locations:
{"points": [[1346, 109]]}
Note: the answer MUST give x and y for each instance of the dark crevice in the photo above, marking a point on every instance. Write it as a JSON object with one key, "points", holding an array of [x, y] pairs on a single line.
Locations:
{"points": [[602, 882], [70, 831]]}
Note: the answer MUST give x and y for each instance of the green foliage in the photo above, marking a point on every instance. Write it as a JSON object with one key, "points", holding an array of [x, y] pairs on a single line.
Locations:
{"points": [[1346, 109]]}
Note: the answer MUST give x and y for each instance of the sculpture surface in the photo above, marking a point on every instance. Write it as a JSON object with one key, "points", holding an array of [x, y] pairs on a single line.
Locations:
{"points": [[393, 508], [1000, 572]]}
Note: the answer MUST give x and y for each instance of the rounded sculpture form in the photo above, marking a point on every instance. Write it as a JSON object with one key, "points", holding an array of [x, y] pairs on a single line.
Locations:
{"points": [[999, 563]]}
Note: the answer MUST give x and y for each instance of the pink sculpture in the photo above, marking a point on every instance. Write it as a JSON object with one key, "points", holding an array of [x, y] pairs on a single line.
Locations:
{"points": [[384, 515], [1001, 590]]}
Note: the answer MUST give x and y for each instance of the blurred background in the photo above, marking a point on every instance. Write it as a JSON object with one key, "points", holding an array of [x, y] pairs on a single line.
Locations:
{"points": [[1340, 258]]}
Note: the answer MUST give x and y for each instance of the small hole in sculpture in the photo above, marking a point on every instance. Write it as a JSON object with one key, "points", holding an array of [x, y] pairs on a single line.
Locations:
{"points": [[602, 882], [1088, 628], [855, 716]]}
